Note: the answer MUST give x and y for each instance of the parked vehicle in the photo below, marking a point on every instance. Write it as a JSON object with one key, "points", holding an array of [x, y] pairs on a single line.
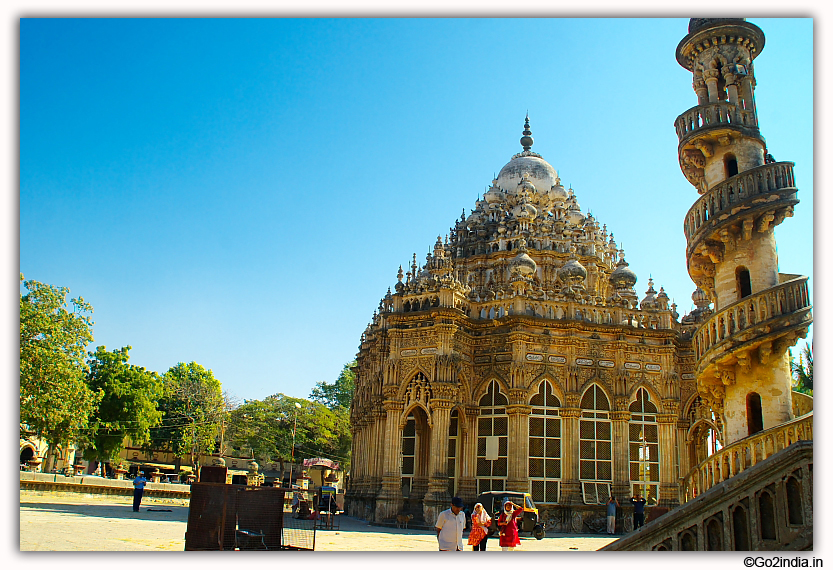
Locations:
{"points": [[493, 501]]}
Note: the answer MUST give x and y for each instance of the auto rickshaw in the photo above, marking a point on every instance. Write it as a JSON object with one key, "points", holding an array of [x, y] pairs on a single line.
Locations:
{"points": [[493, 501]]}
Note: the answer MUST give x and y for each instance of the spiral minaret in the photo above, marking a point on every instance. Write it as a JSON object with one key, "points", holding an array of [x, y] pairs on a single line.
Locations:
{"points": [[743, 367]]}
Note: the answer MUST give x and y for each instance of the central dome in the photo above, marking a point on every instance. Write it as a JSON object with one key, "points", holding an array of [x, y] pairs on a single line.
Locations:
{"points": [[529, 165], [541, 174]]}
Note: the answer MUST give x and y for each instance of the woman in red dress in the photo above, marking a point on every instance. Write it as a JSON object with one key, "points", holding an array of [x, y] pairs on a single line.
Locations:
{"points": [[508, 525], [480, 521]]}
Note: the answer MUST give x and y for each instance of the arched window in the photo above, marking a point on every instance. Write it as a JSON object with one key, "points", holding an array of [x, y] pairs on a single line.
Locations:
{"points": [[744, 283], [643, 446], [545, 445], [766, 509], [794, 502], [740, 529], [595, 442], [492, 440], [731, 164], [754, 415], [714, 535]]}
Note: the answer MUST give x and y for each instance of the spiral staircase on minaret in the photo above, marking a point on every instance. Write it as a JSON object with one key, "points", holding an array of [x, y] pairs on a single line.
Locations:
{"points": [[756, 491]]}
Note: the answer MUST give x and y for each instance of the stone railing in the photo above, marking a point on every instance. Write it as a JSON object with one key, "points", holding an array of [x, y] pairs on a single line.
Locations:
{"points": [[572, 311], [743, 454], [737, 321], [802, 403], [727, 197], [769, 506], [712, 115]]}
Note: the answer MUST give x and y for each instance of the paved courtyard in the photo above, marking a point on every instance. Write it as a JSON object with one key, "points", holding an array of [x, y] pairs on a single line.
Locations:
{"points": [[77, 522]]}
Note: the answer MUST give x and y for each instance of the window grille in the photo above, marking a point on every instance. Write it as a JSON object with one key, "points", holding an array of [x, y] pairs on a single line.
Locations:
{"points": [[643, 445], [595, 492], [453, 443], [492, 422], [545, 445], [595, 441]]}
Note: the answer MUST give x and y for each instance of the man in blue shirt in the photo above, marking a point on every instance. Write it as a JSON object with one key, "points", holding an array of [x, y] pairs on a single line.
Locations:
{"points": [[638, 503], [612, 503], [138, 490]]}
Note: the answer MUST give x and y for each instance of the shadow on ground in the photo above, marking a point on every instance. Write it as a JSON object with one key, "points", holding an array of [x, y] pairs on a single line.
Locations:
{"points": [[176, 514]]}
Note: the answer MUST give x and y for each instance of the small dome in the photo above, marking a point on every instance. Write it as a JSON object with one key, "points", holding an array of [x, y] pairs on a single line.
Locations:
{"points": [[572, 269], [525, 211], [701, 300], [623, 276], [494, 194], [557, 193], [650, 300], [523, 264]]}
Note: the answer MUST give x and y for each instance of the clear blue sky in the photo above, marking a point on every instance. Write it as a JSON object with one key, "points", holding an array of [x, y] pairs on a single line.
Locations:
{"points": [[241, 192]]}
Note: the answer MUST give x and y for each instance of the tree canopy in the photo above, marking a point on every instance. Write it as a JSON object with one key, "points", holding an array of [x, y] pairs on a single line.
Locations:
{"points": [[128, 404], [55, 401], [338, 394], [803, 370], [193, 409]]}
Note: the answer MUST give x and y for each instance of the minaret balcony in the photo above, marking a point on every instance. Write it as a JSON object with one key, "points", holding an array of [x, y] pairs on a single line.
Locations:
{"points": [[745, 197], [712, 117], [769, 321]]}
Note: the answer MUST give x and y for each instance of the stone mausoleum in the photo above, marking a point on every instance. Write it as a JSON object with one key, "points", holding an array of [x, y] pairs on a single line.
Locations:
{"points": [[519, 355]]}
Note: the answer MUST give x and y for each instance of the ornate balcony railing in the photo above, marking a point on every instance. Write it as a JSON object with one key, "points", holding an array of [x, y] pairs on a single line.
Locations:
{"points": [[737, 321], [573, 311], [743, 454], [738, 193], [712, 115]]}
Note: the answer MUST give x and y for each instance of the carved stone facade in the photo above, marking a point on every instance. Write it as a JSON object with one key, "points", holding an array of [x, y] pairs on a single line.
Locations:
{"points": [[520, 357]]}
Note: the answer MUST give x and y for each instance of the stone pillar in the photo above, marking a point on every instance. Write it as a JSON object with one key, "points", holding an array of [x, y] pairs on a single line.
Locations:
{"points": [[389, 499], [710, 76], [621, 454], [570, 485], [668, 485], [468, 470], [682, 449], [518, 450], [437, 498]]}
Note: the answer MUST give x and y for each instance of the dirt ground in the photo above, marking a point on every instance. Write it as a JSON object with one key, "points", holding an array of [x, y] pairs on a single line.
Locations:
{"points": [[78, 522]]}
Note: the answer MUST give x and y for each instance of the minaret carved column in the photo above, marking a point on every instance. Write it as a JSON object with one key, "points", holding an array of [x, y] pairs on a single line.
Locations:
{"points": [[621, 454], [668, 485], [518, 452], [570, 485], [468, 482], [389, 499]]}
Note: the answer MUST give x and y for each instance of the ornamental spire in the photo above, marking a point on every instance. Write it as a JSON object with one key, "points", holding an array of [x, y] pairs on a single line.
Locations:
{"points": [[527, 140]]}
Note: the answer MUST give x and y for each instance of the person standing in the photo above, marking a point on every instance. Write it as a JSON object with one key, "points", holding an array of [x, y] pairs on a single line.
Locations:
{"points": [[638, 503], [480, 521], [138, 490], [612, 503], [508, 525], [450, 525]]}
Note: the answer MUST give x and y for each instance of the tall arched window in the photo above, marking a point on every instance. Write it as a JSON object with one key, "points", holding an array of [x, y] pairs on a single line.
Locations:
{"points": [[644, 447], [492, 440], [754, 414], [595, 443], [545, 445]]}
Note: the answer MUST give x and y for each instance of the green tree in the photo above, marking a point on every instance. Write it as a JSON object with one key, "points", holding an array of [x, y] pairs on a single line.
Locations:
{"points": [[340, 393], [264, 428], [128, 405], [55, 401], [192, 409], [803, 370]]}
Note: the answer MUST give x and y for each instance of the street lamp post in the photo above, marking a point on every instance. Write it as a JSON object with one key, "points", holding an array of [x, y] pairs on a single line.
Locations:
{"points": [[294, 429]]}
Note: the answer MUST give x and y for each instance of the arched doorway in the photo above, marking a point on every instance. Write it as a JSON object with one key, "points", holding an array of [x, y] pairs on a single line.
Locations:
{"points": [[414, 457], [754, 413], [27, 454]]}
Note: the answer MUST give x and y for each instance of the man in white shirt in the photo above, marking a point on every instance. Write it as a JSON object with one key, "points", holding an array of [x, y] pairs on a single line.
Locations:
{"points": [[450, 525]]}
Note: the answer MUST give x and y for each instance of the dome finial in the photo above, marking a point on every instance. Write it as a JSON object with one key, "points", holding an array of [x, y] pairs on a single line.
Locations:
{"points": [[527, 140]]}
